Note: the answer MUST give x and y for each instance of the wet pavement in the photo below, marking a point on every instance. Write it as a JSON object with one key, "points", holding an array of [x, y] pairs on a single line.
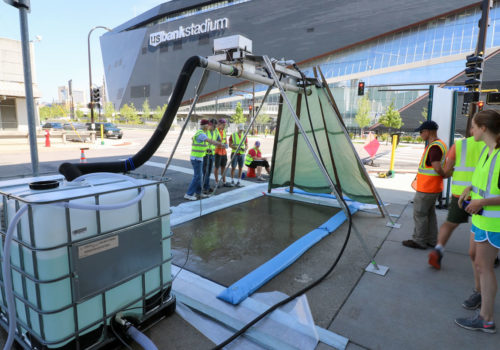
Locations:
{"points": [[228, 244]]}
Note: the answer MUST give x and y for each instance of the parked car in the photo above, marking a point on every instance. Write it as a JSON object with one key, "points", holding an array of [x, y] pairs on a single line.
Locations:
{"points": [[74, 126], [110, 130], [458, 136], [52, 125]]}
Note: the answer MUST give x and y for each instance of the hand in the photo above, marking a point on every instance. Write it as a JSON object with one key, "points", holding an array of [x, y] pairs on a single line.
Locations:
{"points": [[474, 206], [464, 196]]}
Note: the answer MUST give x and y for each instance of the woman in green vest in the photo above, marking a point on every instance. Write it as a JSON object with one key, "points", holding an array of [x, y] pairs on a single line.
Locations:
{"points": [[484, 206]]}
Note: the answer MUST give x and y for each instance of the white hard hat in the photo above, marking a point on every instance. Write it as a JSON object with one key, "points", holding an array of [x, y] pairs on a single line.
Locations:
{"points": [[241, 127]]}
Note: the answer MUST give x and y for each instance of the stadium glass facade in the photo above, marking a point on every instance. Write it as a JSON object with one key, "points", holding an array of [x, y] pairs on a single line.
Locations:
{"points": [[432, 49], [429, 52]]}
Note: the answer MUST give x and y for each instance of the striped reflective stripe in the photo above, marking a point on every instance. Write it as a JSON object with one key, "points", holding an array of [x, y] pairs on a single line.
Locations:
{"points": [[461, 183], [428, 171], [491, 214], [490, 174], [468, 169], [463, 155]]}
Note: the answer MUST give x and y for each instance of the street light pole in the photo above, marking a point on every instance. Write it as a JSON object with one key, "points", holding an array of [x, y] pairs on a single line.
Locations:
{"points": [[90, 76]]}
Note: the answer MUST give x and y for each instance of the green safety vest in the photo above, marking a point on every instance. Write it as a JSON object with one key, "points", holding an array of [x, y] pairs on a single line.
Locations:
{"points": [[485, 185], [213, 136], [249, 159], [468, 153], [236, 141], [198, 149]]}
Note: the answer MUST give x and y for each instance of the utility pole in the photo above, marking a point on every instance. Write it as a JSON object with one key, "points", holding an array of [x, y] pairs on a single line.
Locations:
{"points": [[474, 64], [24, 8]]}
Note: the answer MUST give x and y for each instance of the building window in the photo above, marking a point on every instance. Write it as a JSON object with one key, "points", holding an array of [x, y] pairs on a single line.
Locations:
{"points": [[165, 89], [139, 91], [177, 45], [8, 117]]}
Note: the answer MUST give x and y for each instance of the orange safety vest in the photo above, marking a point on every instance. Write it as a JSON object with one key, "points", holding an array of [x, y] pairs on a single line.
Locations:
{"points": [[428, 180]]}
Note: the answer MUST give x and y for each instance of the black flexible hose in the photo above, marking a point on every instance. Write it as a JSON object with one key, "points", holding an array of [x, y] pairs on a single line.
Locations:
{"points": [[319, 280], [73, 170]]}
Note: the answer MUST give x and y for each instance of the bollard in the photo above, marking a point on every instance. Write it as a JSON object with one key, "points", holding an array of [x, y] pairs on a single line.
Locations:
{"points": [[47, 138], [82, 155]]}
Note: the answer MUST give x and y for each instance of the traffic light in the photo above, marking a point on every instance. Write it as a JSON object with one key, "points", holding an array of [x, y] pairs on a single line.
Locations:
{"points": [[465, 109], [96, 95], [361, 88], [473, 71], [250, 108], [493, 98], [480, 106], [230, 90]]}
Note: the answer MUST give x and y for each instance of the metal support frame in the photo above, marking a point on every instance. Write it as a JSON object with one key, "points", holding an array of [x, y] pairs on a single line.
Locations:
{"points": [[380, 203], [344, 207], [199, 89], [294, 149]]}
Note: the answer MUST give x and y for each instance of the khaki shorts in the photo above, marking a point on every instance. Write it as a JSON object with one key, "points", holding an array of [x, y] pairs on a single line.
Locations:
{"points": [[456, 214]]}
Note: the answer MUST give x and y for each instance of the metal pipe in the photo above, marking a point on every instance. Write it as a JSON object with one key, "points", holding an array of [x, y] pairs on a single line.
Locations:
{"points": [[232, 71], [28, 87], [199, 89]]}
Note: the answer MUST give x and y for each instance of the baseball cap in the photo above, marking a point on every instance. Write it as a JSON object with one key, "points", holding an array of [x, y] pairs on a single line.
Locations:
{"points": [[222, 121], [257, 143], [241, 127], [205, 122], [213, 121], [427, 125]]}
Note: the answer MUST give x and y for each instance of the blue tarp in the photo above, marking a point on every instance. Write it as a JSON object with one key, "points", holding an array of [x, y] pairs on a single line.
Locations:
{"points": [[324, 195], [247, 285]]}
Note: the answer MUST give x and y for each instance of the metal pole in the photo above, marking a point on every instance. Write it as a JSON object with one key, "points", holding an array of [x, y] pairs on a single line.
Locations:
{"points": [[28, 87], [199, 89], [90, 76]]}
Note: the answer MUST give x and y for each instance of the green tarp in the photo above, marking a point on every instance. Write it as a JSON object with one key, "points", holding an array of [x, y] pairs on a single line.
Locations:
{"points": [[307, 175]]}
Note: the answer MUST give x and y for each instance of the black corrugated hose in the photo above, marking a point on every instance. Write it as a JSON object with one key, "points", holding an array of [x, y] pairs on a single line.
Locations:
{"points": [[72, 170]]}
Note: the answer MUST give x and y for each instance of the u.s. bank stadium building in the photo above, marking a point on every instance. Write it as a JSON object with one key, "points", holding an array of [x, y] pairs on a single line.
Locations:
{"points": [[396, 47]]}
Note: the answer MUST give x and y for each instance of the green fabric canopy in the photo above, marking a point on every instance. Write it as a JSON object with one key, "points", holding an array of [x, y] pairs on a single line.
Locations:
{"points": [[333, 142]]}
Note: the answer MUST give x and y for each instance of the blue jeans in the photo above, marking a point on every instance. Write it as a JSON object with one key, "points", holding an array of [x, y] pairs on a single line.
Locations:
{"points": [[195, 186], [208, 161]]}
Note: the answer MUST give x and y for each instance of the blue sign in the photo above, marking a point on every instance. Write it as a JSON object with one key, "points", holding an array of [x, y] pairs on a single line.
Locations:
{"points": [[456, 88]]}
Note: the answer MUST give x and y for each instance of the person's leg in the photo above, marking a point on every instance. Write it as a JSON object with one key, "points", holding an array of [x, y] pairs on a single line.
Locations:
{"points": [[223, 163], [217, 159], [432, 231], [204, 170], [207, 172], [485, 257], [266, 166], [472, 255], [420, 218], [240, 166], [258, 171], [194, 187]]}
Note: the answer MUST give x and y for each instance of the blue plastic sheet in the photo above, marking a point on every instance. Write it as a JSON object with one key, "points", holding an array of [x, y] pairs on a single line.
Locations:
{"points": [[247, 285], [324, 195]]}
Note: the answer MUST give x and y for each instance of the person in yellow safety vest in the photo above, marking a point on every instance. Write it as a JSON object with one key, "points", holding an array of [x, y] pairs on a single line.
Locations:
{"points": [[234, 140], [254, 160], [200, 142], [461, 161], [429, 186], [208, 159], [484, 206], [220, 158]]}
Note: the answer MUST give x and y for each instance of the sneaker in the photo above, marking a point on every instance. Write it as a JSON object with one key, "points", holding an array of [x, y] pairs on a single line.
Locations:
{"points": [[190, 198], [227, 184], [238, 184], [473, 301], [476, 323], [230, 184], [260, 178], [435, 257], [203, 195]]}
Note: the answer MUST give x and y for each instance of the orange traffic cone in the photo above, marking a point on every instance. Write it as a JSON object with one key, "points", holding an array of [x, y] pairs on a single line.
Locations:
{"points": [[82, 155]]}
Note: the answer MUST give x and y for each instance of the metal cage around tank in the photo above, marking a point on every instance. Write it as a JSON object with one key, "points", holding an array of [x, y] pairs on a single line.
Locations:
{"points": [[140, 261]]}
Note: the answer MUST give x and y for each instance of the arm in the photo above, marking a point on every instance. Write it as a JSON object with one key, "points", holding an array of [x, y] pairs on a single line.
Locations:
{"points": [[438, 168], [476, 205], [464, 195], [448, 168]]}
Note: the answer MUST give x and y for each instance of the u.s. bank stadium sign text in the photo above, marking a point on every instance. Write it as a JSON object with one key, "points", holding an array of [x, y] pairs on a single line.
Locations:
{"points": [[208, 26]]}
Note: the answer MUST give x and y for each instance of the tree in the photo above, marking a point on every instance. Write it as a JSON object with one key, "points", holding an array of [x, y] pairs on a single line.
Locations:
{"points": [[424, 113], [146, 110], [363, 116], [262, 119], [79, 114], [391, 118], [129, 113], [109, 110], [238, 116], [159, 111]]}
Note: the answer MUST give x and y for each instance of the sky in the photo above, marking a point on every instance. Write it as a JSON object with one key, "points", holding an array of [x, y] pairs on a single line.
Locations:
{"points": [[64, 25]]}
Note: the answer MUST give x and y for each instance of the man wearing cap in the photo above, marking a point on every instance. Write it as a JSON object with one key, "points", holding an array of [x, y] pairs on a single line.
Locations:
{"points": [[198, 150], [220, 157], [208, 160], [237, 157], [254, 160], [429, 186]]}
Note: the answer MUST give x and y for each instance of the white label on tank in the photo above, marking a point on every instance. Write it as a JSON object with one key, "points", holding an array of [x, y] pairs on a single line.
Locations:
{"points": [[97, 247]]}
